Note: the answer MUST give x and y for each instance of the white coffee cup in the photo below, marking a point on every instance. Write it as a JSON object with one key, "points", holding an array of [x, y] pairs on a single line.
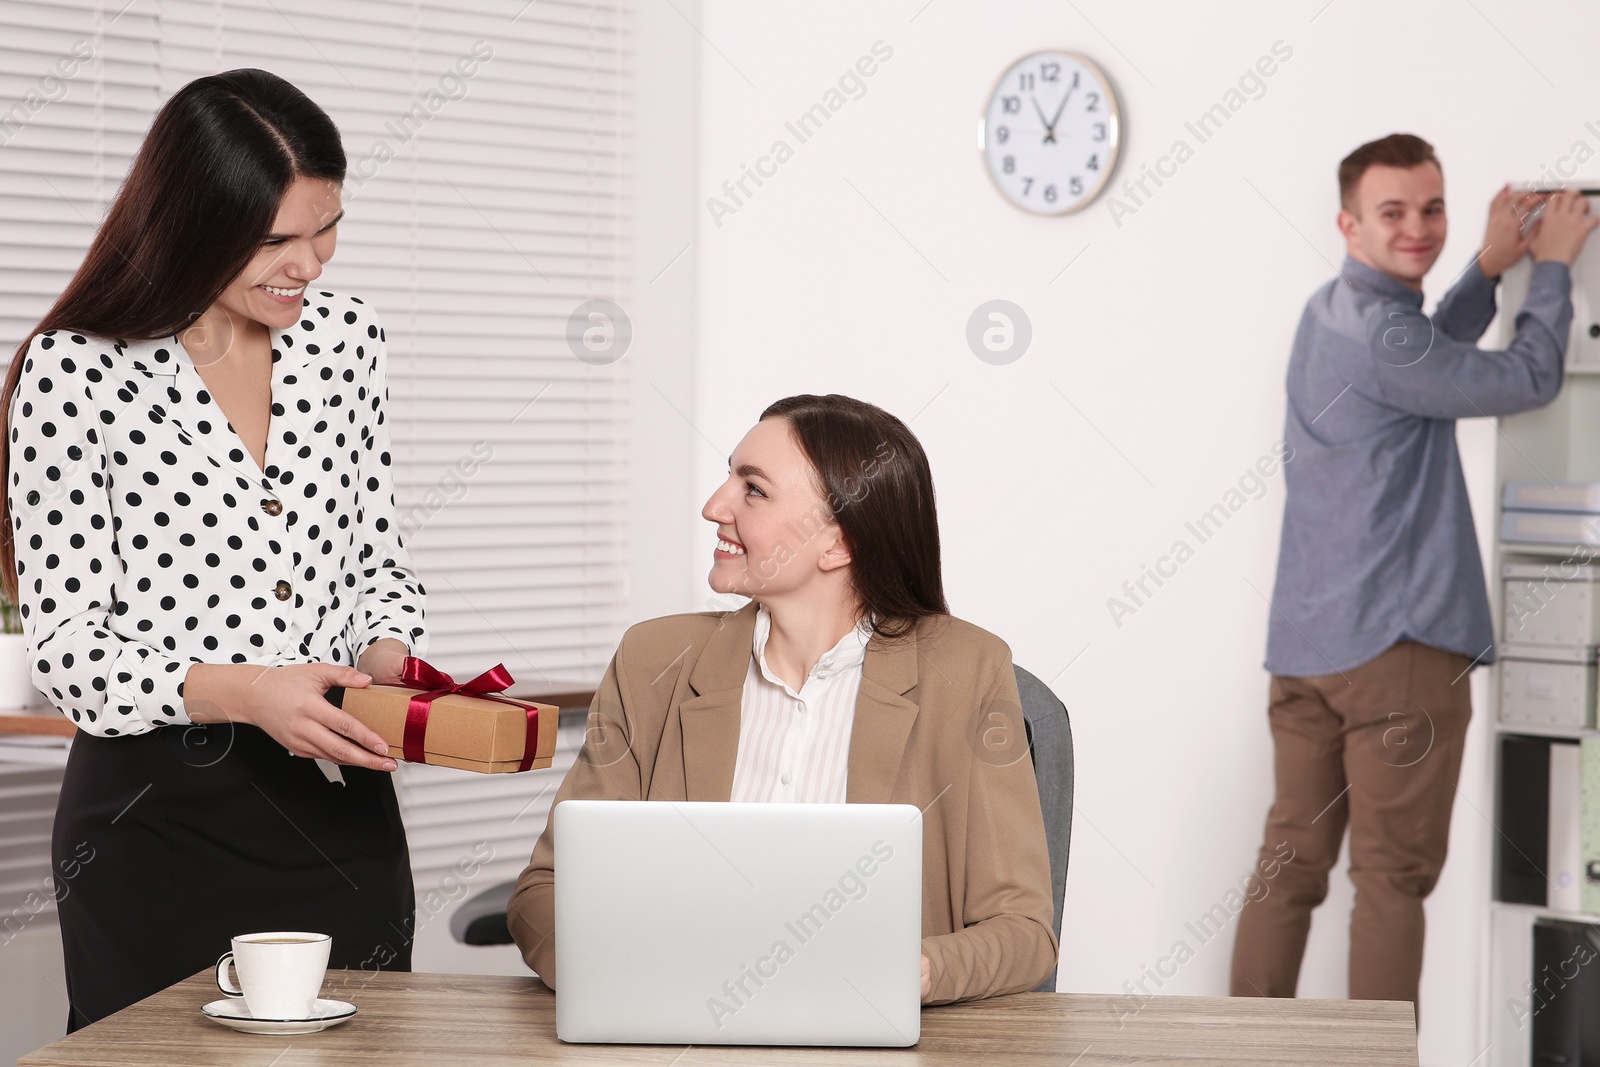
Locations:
{"points": [[280, 973]]}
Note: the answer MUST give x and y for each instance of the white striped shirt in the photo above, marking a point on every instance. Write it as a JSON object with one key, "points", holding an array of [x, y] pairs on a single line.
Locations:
{"points": [[795, 747]]}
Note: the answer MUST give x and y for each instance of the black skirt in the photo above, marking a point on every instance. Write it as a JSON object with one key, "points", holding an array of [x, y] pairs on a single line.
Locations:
{"points": [[169, 843]]}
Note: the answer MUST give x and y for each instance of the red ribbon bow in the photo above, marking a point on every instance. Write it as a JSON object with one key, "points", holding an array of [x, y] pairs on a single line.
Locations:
{"points": [[419, 674]]}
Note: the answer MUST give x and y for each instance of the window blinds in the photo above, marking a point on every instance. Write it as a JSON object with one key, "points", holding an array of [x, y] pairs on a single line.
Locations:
{"points": [[69, 127], [486, 199], [28, 893]]}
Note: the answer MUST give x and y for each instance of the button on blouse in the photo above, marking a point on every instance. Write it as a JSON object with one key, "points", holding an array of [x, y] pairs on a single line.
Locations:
{"points": [[147, 539]]}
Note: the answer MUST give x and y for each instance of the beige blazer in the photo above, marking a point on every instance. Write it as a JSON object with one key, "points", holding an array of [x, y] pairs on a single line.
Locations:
{"points": [[938, 724]]}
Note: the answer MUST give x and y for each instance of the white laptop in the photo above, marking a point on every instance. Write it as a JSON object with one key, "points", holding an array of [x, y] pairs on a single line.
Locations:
{"points": [[693, 923]]}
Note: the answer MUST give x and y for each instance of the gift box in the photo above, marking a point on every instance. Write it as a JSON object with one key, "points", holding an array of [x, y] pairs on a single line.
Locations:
{"points": [[432, 719]]}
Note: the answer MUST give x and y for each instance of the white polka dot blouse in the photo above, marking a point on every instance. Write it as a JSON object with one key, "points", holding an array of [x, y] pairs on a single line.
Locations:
{"points": [[147, 539]]}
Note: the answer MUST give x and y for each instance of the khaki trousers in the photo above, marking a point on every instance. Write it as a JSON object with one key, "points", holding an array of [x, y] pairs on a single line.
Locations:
{"points": [[1377, 748]]}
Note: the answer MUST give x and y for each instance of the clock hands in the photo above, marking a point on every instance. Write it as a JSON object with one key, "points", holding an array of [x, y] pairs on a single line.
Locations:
{"points": [[1063, 105], [1050, 123], [1049, 127]]}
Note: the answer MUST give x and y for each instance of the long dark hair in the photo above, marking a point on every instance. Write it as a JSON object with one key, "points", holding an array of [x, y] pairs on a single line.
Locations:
{"points": [[875, 478], [201, 196]]}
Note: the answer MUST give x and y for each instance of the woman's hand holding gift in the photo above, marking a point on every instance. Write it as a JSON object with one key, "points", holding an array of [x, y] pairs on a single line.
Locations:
{"points": [[288, 702]]}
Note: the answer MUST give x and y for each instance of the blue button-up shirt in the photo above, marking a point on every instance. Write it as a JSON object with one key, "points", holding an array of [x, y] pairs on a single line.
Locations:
{"points": [[1378, 544]]}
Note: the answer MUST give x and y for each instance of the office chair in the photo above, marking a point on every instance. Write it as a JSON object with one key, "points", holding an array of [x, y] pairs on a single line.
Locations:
{"points": [[481, 918], [1050, 744]]}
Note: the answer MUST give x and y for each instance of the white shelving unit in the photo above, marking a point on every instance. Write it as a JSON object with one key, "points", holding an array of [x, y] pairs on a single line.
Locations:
{"points": [[1558, 443]]}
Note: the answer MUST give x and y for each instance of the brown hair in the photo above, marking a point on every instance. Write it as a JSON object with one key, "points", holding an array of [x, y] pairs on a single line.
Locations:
{"points": [[199, 199], [877, 484], [1402, 150]]}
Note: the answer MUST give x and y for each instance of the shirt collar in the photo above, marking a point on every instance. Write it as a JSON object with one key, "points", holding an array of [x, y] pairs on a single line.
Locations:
{"points": [[1362, 276], [160, 356], [311, 338], [300, 345], [848, 654]]}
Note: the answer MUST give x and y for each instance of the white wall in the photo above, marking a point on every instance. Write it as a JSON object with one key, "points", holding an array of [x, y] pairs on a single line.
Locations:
{"points": [[661, 303], [1170, 335]]}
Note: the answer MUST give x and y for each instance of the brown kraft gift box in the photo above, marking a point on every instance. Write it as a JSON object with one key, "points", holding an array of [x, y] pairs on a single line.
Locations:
{"points": [[466, 732]]}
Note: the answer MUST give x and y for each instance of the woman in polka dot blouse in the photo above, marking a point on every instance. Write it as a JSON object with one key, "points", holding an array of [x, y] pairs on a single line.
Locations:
{"points": [[202, 541]]}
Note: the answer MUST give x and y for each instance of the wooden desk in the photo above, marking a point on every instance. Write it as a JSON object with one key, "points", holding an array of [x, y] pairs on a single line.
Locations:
{"points": [[562, 694], [436, 1019], [49, 724]]}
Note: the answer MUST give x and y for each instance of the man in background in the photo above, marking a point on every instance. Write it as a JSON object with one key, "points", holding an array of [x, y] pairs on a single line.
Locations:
{"points": [[1380, 608]]}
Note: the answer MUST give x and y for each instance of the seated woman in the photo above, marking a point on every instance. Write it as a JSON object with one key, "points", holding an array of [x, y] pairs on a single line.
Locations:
{"points": [[845, 680]]}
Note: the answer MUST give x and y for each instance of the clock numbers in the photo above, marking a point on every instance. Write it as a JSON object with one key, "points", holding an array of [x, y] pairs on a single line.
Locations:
{"points": [[1052, 122]]}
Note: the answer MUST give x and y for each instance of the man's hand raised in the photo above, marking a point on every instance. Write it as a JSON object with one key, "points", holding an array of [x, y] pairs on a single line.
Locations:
{"points": [[1503, 240], [1562, 230]]}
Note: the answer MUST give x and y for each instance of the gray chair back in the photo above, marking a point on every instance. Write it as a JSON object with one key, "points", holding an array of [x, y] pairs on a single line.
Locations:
{"points": [[1050, 744]]}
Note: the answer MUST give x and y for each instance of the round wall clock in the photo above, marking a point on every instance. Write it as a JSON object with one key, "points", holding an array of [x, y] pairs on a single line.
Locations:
{"points": [[1051, 132]]}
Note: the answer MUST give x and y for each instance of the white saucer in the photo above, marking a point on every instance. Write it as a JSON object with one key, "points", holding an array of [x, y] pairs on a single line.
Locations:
{"points": [[232, 1012]]}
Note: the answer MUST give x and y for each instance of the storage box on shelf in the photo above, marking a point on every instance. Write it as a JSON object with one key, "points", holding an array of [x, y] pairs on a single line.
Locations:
{"points": [[1549, 611], [1540, 860], [1550, 604], [1547, 685], [1565, 1027]]}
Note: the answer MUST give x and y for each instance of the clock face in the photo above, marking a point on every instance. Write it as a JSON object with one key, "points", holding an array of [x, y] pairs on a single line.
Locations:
{"points": [[1051, 132]]}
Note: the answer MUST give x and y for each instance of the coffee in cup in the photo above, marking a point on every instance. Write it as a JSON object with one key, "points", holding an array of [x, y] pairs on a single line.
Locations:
{"points": [[279, 973]]}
